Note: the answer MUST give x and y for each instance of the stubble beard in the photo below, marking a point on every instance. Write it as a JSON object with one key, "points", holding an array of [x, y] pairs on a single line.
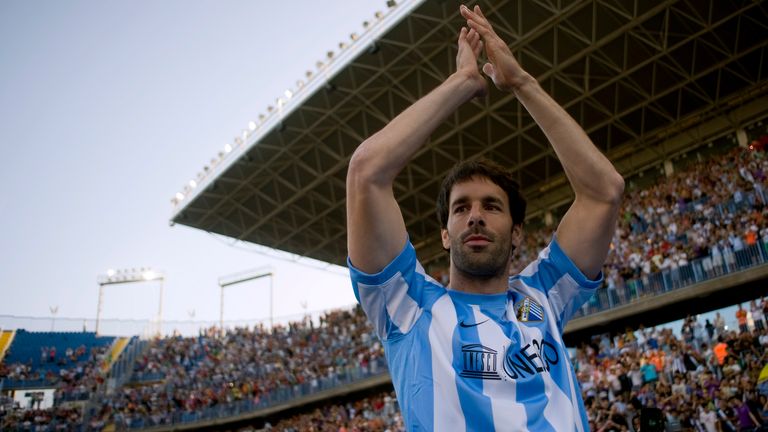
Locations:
{"points": [[483, 263]]}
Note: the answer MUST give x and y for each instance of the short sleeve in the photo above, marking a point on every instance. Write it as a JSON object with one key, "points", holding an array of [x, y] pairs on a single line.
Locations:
{"points": [[396, 297], [564, 285]]}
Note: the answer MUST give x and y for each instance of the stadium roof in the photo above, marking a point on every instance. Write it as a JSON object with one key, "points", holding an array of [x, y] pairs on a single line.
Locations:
{"points": [[646, 79]]}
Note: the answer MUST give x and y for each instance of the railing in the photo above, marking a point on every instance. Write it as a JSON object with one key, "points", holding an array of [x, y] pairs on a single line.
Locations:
{"points": [[73, 396], [146, 377], [277, 396], [14, 384], [122, 368], [698, 270]]}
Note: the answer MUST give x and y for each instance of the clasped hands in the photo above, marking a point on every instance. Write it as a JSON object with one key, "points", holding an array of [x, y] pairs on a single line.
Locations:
{"points": [[501, 67]]}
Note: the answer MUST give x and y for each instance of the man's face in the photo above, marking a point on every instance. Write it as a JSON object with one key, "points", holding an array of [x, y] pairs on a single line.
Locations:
{"points": [[479, 231]]}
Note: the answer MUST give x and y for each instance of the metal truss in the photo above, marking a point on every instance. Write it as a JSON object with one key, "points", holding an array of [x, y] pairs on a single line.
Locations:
{"points": [[646, 80]]}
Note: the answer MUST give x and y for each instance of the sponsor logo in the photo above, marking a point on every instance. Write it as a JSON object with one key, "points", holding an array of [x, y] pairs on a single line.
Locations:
{"points": [[534, 358], [479, 362], [471, 325], [528, 310]]}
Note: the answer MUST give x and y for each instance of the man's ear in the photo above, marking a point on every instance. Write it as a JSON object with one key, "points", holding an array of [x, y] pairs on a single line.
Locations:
{"points": [[445, 238], [517, 235]]}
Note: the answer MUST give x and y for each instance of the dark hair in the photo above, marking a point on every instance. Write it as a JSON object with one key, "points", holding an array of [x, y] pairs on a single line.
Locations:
{"points": [[494, 172]]}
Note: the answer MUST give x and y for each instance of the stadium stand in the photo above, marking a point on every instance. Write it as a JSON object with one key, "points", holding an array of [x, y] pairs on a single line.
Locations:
{"points": [[36, 359], [214, 373], [376, 413], [620, 377], [641, 80], [668, 238], [182, 380], [114, 352], [701, 222]]}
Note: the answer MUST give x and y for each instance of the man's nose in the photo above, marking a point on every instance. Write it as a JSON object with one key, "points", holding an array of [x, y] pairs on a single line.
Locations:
{"points": [[476, 216]]}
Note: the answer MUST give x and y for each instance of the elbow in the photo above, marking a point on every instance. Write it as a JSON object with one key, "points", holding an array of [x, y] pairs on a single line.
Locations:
{"points": [[359, 168], [365, 167], [615, 189]]}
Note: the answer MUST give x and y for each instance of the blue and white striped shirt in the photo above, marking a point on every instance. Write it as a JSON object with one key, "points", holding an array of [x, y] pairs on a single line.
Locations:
{"points": [[474, 362]]}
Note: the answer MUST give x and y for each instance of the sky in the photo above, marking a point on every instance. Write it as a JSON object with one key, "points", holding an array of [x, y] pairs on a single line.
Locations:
{"points": [[107, 109]]}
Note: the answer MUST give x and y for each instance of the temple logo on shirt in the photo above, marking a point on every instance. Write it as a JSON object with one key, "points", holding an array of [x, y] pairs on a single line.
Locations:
{"points": [[528, 310], [479, 362]]}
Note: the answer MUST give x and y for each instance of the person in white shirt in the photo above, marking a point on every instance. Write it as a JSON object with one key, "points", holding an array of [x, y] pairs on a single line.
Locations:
{"points": [[719, 324], [708, 418], [757, 315]]}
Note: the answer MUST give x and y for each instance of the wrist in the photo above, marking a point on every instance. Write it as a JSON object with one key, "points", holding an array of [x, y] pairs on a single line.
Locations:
{"points": [[467, 83], [524, 82]]}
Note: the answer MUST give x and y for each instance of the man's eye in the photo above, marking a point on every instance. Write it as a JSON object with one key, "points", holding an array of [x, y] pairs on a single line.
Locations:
{"points": [[459, 209]]}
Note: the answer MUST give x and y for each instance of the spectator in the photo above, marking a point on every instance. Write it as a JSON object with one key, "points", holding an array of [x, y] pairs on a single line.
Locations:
{"points": [[741, 317], [757, 315]]}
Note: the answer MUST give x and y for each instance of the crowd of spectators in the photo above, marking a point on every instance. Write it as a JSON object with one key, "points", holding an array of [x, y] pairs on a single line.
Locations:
{"points": [[701, 381], [76, 375], [57, 418], [642, 368], [216, 369], [77, 371], [713, 210], [705, 371], [378, 413]]}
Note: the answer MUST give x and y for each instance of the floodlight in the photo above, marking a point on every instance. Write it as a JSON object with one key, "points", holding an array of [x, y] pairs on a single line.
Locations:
{"points": [[250, 275], [193, 183], [252, 125], [288, 94], [227, 148], [133, 275], [179, 196]]}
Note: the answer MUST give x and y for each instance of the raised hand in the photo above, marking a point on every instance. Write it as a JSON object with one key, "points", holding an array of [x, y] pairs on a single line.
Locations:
{"points": [[502, 67], [470, 47]]}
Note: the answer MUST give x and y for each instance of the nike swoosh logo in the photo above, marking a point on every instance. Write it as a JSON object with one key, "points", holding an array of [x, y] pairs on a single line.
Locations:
{"points": [[471, 325]]}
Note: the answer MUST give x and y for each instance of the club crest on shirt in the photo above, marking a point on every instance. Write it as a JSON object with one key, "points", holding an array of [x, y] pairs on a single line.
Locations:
{"points": [[528, 310]]}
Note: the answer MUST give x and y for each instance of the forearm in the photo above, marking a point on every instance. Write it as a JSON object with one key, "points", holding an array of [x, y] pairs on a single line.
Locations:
{"points": [[590, 173], [382, 156], [373, 216]]}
